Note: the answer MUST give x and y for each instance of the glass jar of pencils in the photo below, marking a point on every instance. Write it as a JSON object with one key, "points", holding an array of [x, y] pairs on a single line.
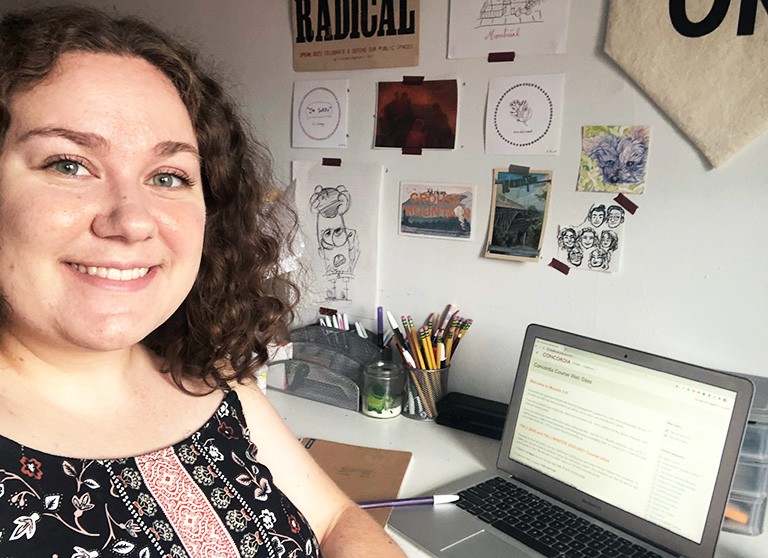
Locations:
{"points": [[423, 389], [382, 395]]}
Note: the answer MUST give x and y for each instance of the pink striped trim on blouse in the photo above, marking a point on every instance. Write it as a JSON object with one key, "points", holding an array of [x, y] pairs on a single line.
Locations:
{"points": [[197, 525]]}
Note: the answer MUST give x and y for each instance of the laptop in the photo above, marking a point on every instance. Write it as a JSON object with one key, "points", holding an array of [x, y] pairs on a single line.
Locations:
{"points": [[613, 452]]}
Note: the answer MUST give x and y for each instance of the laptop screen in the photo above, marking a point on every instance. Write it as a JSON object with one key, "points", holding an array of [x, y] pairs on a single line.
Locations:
{"points": [[642, 440]]}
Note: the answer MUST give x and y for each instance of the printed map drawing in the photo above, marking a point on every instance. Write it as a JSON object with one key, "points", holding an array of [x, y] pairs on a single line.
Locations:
{"points": [[509, 12], [525, 27]]}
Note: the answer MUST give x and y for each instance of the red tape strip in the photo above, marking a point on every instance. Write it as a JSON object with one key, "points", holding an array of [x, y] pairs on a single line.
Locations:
{"points": [[413, 80], [331, 162], [501, 56], [626, 203], [559, 266]]}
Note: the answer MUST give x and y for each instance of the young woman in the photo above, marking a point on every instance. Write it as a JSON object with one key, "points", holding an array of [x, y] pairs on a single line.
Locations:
{"points": [[139, 287]]}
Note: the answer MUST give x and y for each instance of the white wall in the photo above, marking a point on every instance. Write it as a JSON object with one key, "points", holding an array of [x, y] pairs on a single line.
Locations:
{"points": [[692, 283]]}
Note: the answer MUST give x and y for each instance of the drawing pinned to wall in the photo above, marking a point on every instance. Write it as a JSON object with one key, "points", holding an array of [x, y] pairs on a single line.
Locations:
{"points": [[518, 213], [417, 115], [338, 211], [479, 27], [595, 243], [613, 159], [440, 210], [320, 113], [524, 115]]}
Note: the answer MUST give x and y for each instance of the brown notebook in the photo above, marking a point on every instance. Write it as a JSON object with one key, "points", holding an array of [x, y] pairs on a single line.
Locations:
{"points": [[364, 473]]}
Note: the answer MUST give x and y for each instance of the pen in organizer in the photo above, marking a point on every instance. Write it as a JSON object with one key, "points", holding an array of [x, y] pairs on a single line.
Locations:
{"points": [[400, 341], [360, 329], [425, 501], [380, 326]]}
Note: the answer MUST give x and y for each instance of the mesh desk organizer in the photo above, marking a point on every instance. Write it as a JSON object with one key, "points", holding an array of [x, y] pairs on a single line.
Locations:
{"points": [[327, 366]]}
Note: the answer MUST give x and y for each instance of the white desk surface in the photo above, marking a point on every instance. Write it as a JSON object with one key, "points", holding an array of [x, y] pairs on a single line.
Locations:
{"points": [[440, 454]]}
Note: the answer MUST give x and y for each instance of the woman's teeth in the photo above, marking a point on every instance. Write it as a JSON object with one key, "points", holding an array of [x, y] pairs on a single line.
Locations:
{"points": [[112, 273]]}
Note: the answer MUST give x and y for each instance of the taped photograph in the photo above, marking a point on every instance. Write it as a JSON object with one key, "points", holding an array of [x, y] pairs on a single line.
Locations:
{"points": [[518, 214]]}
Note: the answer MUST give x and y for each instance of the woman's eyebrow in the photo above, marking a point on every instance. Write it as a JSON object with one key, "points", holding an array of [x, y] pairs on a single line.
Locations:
{"points": [[166, 148], [95, 141], [86, 139]]}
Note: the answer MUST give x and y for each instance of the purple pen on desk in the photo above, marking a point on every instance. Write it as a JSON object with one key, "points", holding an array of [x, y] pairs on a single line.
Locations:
{"points": [[380, 326], [424, 501]]}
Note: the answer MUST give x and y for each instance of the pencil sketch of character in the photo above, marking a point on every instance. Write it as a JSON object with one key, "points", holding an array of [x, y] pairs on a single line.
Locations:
{"points": [[609, 241], [620, 158], [575, 255], [566, 238], [338, 245], [614, 216], [596, 215], [587, 238], [599, 259]]}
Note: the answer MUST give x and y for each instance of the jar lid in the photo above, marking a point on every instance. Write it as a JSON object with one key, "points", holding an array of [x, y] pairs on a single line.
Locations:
{"points": [[382, 368]]}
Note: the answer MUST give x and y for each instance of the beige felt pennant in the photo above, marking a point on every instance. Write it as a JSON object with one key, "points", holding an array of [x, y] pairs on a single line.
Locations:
{"points": [[713, 87]]}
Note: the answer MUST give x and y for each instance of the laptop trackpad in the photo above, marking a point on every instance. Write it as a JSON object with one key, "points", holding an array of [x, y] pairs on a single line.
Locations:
{"points": [[483, 543]]}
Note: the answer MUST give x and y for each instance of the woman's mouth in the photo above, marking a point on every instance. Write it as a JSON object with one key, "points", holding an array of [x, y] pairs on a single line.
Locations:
{"points": [[111, 272]]}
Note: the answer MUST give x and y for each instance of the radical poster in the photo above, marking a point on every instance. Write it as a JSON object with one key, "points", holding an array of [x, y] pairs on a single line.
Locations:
{"points": [[354, 34]]}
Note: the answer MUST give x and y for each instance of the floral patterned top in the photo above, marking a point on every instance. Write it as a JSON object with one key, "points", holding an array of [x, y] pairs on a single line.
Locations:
{"points": [[206, 497]]}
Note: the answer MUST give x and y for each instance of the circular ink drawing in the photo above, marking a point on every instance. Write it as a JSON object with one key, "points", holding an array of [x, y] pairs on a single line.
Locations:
{"points": [[523, 114], [319, 113]]}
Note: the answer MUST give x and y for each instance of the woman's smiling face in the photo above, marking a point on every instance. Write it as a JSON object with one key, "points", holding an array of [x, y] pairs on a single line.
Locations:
{"points": [[101, 204]]}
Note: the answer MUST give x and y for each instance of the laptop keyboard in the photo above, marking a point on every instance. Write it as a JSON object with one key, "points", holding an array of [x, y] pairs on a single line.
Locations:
{"points": [[542, 525]]}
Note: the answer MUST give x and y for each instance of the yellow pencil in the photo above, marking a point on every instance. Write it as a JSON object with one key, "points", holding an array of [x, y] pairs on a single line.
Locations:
{"points": [[413, 340], [448, 346], [462, 332], [427, 349]]}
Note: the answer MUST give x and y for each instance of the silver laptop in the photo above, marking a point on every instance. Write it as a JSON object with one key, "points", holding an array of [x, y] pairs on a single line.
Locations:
{"points": [[613, 452]]}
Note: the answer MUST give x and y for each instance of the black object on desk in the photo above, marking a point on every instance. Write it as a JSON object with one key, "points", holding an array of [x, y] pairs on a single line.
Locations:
{"points": [[472, 414]]}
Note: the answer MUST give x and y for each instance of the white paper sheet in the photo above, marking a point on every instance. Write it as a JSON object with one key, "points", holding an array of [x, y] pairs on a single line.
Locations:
{"points": [[524, 115], [338, 209], [320, 113], [479, 27]]}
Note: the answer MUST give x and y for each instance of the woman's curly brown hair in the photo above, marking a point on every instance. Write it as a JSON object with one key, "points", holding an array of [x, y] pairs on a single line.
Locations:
{"points": [[241, 300]]}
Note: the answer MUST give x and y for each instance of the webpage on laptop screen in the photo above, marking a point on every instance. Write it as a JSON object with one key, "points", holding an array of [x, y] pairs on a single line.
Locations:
{"points": [[639, 439]]}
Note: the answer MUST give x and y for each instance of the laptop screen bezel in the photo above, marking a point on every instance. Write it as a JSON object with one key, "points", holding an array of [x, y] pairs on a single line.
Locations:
{"points": [[620, 519]]}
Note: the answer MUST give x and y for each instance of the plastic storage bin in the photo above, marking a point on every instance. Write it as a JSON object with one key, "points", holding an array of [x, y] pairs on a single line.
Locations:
{"points": [[750, 479], [745, 515], [754, 448], [745, 512]]}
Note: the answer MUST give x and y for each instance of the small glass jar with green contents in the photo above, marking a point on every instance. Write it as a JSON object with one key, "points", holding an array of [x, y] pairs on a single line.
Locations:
{"points": [[382, 395]]}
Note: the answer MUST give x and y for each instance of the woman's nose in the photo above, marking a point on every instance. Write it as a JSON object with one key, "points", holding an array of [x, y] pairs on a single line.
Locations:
{"points": [[125, 214]]}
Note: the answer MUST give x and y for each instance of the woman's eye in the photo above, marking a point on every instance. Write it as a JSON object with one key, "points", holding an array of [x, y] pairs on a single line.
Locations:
{"points": [[167, 180], [69, 167]]}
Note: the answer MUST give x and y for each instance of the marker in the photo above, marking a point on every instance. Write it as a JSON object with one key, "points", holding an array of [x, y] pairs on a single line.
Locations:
{"points": [[380, 325], [426, 501]]}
